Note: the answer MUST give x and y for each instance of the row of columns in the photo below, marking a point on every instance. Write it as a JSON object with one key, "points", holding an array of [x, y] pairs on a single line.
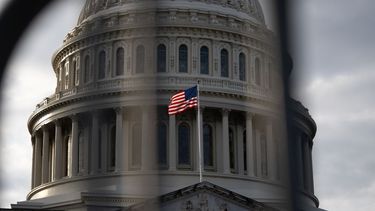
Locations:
{"points": [[46, 169], [253, 158], [41, 165]]}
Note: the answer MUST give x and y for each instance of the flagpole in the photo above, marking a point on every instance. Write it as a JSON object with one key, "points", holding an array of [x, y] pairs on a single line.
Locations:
{"points": [[199, 134]]}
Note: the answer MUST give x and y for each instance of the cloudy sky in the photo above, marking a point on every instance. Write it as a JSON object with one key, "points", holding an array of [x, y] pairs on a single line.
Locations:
{"points": [[333, 54]]}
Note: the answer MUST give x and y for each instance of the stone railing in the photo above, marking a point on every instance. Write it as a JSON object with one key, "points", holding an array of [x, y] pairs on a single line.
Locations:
{"points": [[135, 83]]}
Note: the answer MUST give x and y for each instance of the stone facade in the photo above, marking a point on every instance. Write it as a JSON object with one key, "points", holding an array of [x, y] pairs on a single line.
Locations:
{"points": [[104, 138]]}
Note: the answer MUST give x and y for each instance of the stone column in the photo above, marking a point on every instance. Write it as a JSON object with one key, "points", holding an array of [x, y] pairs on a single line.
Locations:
{"points": [[38, 161], [94, 151], [271, 158], [58, 151], [258, 153], [33, 165], [74, 156], [45, 155], [249, 145], [225, 122], [119, 140], [172, 143]]}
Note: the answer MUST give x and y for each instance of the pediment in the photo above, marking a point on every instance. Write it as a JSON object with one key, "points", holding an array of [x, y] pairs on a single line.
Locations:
{"points": [[203, 197]]}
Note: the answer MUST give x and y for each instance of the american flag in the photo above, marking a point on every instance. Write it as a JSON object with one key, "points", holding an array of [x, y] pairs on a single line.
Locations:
{"points": [[183, 100]]}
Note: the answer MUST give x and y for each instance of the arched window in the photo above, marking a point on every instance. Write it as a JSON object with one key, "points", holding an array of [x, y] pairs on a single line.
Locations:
{"points": [[120, 54], [183, 59], [244, 151], [136, 146], [257, 71], [208, 146], [224, 56], [162, 144], [66, 68], [74, 72], [112, 149], [140, 59], [86, 77], [232, 151], [204, 60], [102, 58], [161, 59], [184, 157], [242, 66]]}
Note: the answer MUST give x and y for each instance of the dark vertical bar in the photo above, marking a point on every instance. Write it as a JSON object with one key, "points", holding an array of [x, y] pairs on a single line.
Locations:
{"points": [[287, 64]]}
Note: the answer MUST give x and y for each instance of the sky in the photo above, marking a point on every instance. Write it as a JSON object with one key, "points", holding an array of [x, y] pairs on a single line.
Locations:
{"points": [[332, 50]]}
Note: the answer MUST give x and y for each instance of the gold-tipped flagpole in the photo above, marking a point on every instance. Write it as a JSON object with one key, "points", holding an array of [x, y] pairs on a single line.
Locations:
{"points": [[199, 134]]}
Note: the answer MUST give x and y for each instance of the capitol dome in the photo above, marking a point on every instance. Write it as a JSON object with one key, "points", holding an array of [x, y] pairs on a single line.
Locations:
{"points": [[104, 139], [246, 9]]}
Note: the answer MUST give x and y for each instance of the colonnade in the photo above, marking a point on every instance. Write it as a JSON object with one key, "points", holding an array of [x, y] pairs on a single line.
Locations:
{"points": [[244, 144]]}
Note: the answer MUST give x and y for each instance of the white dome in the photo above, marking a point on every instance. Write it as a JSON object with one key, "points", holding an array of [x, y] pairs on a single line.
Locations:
{"points": [[247, 9]]}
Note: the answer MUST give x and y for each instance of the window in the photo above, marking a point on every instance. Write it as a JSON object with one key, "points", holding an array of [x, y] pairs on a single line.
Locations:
{"points": [[102, 58], [257, 71], [75, 72], [112, 148], [66, 67], [120, 54], [140, 59], [136, 146], [224, 63], [184, 158], [86, 77], [232, 151], [242, 66], [208, 146], [161, 59], [204, 60], [183, 59], [162, 144]]}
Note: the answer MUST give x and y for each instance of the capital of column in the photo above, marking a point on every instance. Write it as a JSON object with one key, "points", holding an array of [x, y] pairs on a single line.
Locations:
{"points": [[57, 122], [45, 128], [249, 115], [74, 117], [225, 111], [118, 110]]}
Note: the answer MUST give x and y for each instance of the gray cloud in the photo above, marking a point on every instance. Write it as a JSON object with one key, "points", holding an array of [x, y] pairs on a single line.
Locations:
{"points": [[28, 80], [333, 55]]}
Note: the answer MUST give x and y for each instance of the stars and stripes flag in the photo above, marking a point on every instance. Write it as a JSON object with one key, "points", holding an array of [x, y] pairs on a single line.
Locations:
{"points": [[183, 100]]}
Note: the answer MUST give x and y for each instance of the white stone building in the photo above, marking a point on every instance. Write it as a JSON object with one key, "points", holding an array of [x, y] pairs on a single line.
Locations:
{"points": [[104, 139]]}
